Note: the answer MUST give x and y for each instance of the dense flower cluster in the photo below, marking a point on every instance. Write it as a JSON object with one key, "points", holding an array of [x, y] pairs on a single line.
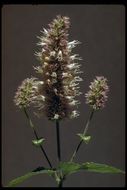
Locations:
{"points": [[59, 70], [97, 95], [26, 93], [59, 74]]}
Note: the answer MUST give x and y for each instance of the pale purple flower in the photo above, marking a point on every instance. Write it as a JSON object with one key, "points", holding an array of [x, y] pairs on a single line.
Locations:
{"points": [[97, 95], [59, 70], [28, 93]]}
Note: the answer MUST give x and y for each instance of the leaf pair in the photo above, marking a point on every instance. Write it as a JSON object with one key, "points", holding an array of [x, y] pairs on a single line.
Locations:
{"points": [[66, 168], [38, 142], [84, 138]]}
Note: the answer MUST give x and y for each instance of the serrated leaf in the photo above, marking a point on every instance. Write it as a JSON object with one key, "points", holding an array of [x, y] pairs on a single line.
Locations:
{"points": [[100, 168], [86, 139], [69, 167], [21, 179], [38, 142]]}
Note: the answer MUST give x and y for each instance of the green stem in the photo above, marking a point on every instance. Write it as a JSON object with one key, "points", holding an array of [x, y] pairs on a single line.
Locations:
{"points": [[84, 133], [58, 140], [37, 137]]}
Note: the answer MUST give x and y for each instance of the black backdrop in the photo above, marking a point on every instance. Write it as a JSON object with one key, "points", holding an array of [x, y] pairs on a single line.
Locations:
{"points": [[101, 29]]}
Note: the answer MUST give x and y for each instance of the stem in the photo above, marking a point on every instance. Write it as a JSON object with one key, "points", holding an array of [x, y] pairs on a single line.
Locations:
{"points": [[62, 178], [61, 183], [37, 137], [58, 140], [84, 133]]}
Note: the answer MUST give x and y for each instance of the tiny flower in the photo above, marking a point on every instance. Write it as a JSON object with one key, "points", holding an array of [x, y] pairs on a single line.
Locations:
{"points": [[73, 44], [64, 75], [59, 56], [54, 74], [74, 57], [38, 69], [52, 53], [97, 95], [56, 116], [74, 102], [45, 32], [74, 114]]}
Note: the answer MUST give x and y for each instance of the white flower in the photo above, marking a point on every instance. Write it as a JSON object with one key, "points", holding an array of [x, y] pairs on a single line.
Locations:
{"points": [[38, 69], [44, 31], [56, 116], [38, 55], [74, 102], [54, 74], [73, 57], [75, 66], [52, 53], [77, 78], [64, 75], [73, 44], [74, 114], [41, 97], [70, 97], [60, 56], [45, 64]]}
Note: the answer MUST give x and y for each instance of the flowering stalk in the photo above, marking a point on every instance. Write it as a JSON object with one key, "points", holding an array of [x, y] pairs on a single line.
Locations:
{"points": [[84, 133], [97, 95], [24, 97], [96, 98]]}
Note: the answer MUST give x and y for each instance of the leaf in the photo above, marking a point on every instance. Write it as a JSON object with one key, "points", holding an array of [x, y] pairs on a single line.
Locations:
{"points": [[69, 167], [38, 142], [66, 168], [100, 168], [86, 139], [20, 179]]}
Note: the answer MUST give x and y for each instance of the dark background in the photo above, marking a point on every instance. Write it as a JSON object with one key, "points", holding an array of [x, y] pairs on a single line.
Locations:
{"points": [[101, 29]]}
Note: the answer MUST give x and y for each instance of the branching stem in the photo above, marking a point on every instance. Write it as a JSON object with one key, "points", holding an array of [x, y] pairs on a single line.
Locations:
{"points": [[84, 133], [37, 137]]}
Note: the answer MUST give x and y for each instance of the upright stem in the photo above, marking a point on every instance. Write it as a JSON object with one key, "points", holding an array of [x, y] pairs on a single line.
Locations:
{"points": [[37, 137], [58, 140], [61, 183], [84, 133]]}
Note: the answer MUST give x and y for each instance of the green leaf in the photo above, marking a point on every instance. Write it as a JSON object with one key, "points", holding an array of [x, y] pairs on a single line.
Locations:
{"points": [[66, 168], [69, 167], [100, 168], [38, 142], [86, 139], [20, 179]]}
